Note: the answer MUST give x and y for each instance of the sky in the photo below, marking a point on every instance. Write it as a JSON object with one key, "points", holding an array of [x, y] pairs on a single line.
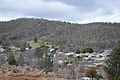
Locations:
{"points": [[76, 11]]}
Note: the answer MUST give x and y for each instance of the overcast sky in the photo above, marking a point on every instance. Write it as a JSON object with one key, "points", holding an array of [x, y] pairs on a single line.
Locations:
{"points": [[81, 11]]}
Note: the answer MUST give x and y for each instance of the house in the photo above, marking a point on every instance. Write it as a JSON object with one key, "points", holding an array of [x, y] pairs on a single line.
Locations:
{"points": [[69, 54], [27, 49]]}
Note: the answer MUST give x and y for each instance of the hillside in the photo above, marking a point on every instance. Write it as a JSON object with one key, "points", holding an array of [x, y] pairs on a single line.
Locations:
{"points": [[68, 36]]}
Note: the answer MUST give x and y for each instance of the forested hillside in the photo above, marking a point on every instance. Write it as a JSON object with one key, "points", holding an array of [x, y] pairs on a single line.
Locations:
{"points": [[68, 36]]}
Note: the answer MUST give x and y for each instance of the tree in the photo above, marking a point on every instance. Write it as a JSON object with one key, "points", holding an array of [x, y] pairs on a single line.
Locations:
{"points": [[23, 46], [7, 48], [46, 64], [113, 63], [0, 42], [86, 50], [41, 51], [21, 60], [16, 43], [98, 77], [4, 40], [12, 61], [77, 51], [35, 40], [45, 60], [91, 72], [22, 49]]}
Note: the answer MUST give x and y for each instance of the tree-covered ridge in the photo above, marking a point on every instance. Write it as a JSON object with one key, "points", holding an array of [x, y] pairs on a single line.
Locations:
{"points": [[68, 36]]}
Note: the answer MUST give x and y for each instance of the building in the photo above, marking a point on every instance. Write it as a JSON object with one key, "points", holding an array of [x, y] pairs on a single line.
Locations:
{"points": [[85, 78]]}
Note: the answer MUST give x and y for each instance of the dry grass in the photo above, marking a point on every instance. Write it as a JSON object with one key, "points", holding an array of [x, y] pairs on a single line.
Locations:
{"points": [[34, 44], [28, 76], [40, 43]]}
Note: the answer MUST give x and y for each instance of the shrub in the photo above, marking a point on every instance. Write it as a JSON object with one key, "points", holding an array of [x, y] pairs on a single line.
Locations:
{"points": [[13, 62]]}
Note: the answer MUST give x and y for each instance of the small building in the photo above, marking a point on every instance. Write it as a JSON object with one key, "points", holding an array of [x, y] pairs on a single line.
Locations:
{"points": [[85, 78]]}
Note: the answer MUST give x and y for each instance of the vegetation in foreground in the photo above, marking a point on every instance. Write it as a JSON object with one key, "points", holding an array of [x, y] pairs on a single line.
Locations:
{"points": [[113, 63]]}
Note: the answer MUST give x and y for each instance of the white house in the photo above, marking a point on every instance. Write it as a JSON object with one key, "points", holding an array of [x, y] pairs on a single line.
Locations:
{"points": [[70, 53]]}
